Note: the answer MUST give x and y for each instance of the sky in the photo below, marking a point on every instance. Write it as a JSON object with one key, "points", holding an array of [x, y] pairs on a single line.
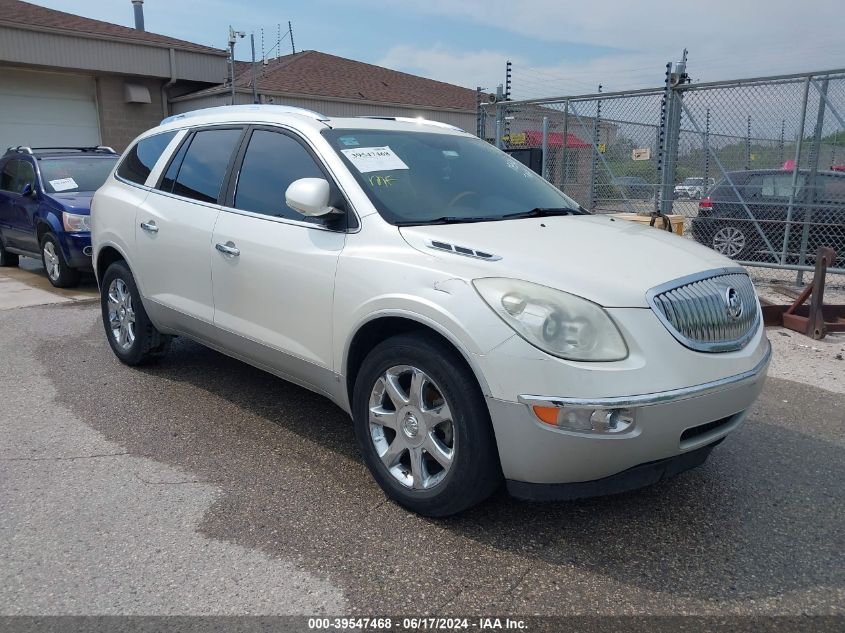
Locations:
{"points": [[558, 47]]}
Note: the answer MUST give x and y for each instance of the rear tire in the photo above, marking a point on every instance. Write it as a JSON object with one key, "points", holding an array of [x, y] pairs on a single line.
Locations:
{"points": [[730, 240], [131, 335], [7, 259], [58, 272], [423, 426]]}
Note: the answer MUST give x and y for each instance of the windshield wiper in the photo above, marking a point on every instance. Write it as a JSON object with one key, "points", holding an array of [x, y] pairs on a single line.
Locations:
{"points": [[544, 212], [450, 219]]}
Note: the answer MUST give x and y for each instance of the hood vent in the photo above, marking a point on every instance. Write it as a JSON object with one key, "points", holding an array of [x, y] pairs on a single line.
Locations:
{"points": [[462, 250]]}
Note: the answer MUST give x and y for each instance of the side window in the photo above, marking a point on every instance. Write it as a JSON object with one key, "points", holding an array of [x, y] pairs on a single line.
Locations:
{"points": [[26, 175], [780, 185], [9, 175], [831, 189], [752, 187], [199, 175], [16, 174], [141, 159], [272, 161], [169, 178]]}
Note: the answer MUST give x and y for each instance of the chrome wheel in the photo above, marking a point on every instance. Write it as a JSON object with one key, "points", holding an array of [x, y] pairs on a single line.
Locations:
{"points": [[121, 314], [729, 241], [51, 260], [411, 427]]}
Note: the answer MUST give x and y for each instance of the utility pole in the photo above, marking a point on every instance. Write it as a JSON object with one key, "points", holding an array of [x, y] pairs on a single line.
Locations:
{"points": [[591, 195], [500, 95], [290, 32], [233, 36]]}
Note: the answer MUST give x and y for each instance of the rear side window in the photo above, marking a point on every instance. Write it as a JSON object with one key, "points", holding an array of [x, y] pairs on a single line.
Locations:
{"points": [[143, 156], [271, 163], [780, 185], [200, 172]]}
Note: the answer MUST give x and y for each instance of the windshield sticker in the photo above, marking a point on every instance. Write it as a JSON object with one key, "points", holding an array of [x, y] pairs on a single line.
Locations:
{"points": [[349, 141], [63, 184], [367, 159], [450, 153], [382, 181]]}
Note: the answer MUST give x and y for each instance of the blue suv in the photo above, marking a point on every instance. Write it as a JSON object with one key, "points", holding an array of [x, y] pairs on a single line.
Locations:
{"points": [[45, 202]]}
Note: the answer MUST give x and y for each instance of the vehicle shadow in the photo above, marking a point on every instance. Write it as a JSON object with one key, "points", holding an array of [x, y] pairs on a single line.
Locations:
{"points": [[761, 518]]}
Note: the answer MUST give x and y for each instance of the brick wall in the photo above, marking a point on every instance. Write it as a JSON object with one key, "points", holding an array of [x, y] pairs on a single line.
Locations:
{"points": [[120, 122]]}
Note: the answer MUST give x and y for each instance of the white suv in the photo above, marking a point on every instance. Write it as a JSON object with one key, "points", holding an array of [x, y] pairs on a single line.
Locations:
{"points": [[474, 321]]}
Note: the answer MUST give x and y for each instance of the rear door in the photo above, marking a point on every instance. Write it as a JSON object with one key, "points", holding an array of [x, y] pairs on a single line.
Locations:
{"points": [[273, 274], [769, 197], [174, 227]]}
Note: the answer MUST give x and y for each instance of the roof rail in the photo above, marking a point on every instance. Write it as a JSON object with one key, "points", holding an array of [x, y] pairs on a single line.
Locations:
{"points": [[253, 107], [420, 120], [22, 149]]}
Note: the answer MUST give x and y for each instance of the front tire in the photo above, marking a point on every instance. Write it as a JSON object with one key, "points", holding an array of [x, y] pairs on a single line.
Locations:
{"points": [[423, 426], [58, 272], [132, 336]]}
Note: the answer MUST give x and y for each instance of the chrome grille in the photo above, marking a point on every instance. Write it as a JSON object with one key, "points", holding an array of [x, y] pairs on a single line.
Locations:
{"points": [[697, 310]]}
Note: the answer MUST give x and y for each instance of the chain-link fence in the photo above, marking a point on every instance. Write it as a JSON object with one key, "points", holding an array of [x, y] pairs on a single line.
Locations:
{"points": [[754, 168]]}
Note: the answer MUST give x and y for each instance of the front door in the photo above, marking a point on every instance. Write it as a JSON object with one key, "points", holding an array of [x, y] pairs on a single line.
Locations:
{"points": [[174, 226], [273, 270], [17, 215]]}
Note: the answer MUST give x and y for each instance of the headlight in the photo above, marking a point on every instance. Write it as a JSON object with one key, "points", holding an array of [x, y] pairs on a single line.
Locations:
{"points": [[557, 322], [75, 223]]}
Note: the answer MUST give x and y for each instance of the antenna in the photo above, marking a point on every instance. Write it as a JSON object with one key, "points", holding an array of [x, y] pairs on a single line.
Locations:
{"points": [[278, 40], [290, 32]]}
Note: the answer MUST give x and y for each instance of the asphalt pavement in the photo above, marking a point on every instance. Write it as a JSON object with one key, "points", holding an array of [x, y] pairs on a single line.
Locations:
{"points": [[202, 485]]}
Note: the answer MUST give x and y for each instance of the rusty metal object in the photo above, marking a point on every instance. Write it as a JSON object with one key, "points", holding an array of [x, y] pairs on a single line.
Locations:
{"points": [[816, 320]]}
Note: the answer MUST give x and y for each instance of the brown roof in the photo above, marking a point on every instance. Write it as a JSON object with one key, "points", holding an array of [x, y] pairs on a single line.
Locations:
{"points": [[16, 12], [324, 75]]}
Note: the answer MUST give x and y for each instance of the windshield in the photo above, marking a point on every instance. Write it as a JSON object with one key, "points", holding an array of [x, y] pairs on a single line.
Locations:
{"points": [[73, 175], [694, 181], [424, 177]]}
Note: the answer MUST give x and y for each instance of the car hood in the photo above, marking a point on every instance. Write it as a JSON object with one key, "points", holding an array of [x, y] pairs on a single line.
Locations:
{"points": [[76, 202], [610, 261]]}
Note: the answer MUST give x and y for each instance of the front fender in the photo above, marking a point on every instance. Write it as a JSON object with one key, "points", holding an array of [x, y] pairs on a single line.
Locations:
{"points": [[451, 307]]}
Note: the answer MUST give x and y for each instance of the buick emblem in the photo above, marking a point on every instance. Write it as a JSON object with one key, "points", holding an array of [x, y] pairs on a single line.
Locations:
{"points": [[733, 303]]}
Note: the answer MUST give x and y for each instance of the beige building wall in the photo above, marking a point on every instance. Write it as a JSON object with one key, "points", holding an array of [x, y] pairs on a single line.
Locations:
{"points": [[120, 122]]}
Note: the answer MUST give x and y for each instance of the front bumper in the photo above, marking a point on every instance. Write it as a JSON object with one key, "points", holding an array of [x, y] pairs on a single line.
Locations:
{"points": [[77, 249], [631, 479], [666, 425]]}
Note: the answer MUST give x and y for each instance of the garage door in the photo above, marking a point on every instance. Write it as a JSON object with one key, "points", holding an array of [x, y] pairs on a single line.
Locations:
{"points": [[47, 110]]}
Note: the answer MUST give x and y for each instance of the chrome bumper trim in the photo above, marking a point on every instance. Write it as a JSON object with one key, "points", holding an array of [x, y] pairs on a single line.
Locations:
{"points": [[647, 399]]}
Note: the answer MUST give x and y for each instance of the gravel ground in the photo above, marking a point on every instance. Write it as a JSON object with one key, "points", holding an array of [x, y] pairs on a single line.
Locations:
{"points": [[799, 358]]}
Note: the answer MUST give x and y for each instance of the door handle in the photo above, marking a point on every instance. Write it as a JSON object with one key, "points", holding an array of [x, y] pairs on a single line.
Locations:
{"points": [[149, 227], [228, 249]]}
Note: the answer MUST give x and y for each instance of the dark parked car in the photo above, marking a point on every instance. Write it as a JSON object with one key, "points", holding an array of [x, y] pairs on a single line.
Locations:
{"points": [[45, 201], [634, 187], [752, 226]]}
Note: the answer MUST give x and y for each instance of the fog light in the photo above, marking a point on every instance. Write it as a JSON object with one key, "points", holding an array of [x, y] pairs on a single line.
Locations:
{"points": [[586, 420]]}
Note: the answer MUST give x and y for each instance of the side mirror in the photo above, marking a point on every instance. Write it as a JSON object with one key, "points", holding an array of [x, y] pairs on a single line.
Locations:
{"points": [[28, 190], [309, 196]]}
